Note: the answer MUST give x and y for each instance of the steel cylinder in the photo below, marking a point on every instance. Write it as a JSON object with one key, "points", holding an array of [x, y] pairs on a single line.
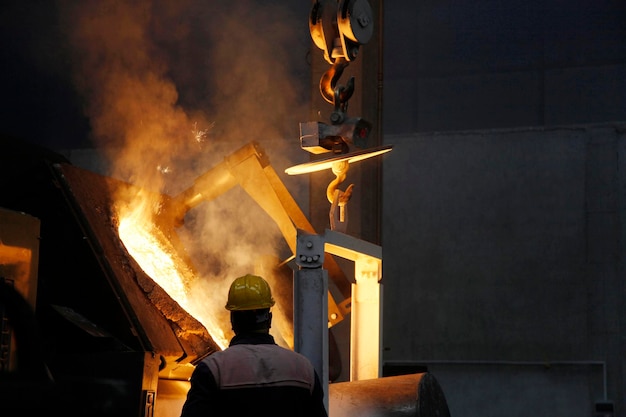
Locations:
{"points": [[418, 395]]}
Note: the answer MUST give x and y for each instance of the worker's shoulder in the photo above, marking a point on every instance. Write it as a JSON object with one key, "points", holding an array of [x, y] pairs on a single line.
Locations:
{"points": [[245, 351]]}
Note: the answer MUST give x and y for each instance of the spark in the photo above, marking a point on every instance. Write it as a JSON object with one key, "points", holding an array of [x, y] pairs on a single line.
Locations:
{"points": [[200, 135]]}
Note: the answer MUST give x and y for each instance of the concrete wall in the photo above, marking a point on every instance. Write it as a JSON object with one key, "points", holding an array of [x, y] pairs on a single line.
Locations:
{"points": [[503, 201], [502, 266], [451, 65]]}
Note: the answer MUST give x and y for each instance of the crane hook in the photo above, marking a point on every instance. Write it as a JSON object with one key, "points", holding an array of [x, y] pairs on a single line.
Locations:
{"points": [[340, 169], [329, 80]]}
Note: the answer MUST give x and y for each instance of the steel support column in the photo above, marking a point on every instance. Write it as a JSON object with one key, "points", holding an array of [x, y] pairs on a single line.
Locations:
{"points": [[310, 305]]}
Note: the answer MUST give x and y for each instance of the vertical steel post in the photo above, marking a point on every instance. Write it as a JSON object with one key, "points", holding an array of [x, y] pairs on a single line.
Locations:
{"points": [[310, 305]]}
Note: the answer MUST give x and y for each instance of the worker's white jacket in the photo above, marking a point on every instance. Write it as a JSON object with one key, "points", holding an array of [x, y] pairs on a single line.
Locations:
{"points": [[254, 377]]}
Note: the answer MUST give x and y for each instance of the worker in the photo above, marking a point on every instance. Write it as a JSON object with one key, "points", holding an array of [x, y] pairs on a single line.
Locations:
{"points": [[253, 376]]}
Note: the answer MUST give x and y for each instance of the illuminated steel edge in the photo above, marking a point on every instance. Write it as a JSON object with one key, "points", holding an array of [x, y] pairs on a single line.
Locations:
{"points": [[328, 163]]}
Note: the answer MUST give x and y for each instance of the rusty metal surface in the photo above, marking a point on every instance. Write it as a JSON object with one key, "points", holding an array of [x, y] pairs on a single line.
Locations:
{"points": [[163, 326]]}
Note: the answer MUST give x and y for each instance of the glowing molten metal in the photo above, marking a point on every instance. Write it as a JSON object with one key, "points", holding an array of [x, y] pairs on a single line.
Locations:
{"points": [[158, 258]]}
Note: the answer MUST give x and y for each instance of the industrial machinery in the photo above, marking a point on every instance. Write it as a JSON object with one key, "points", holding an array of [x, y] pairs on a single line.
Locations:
{"points": [[85, 330], [103, 318], [338, 28], [84, 326]]}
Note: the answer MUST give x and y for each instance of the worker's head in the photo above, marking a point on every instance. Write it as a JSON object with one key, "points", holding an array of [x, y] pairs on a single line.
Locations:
{"points": [[249, 303]]}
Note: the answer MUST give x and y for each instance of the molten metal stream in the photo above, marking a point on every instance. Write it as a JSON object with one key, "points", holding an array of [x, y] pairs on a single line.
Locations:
{"points": [[155, 254]]}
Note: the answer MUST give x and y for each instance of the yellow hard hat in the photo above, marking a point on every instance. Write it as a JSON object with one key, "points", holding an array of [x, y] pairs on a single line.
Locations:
{"points": [[249, 292]]}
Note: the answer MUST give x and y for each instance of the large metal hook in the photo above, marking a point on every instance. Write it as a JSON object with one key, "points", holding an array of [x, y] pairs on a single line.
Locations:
{"points": [[340, 169], [339, 199], [329, 80]]}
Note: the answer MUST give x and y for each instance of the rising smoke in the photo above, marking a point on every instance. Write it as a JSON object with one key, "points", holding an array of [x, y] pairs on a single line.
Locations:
{"points": [[169, 80], [171, 87]]}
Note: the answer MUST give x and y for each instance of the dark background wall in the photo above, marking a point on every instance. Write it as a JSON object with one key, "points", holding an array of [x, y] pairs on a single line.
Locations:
{"points": [[503, 201], [453, 65]]}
